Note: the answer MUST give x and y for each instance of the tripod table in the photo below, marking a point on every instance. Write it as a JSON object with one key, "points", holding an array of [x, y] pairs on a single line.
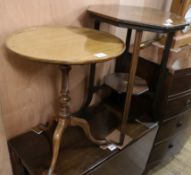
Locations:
{"points": [[66, 46]]}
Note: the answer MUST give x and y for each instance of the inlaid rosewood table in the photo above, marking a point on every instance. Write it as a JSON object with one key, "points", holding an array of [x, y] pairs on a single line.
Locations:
{"points": [[66, 46], [139, 19]]}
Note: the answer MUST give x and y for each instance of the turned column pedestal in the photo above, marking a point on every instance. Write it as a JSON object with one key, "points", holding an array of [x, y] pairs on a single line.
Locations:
{"points": [[65, 118]]}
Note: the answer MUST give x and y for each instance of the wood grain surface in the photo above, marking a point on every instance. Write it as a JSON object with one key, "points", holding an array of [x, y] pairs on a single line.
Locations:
{"points": [[65, 45], [138, 16]]}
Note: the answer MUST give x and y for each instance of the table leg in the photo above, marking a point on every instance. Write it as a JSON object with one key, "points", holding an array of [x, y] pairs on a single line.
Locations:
{"points": [[91, 88], [121, 63], [131, 79], [56, 143], [64, 114], [75, 121], [128, 40], [162, 76], [66, 119], [97, 25]]}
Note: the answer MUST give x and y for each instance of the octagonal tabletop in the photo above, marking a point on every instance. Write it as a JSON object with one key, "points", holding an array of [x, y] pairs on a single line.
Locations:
{"points": [[65, 45], [145, 18]]}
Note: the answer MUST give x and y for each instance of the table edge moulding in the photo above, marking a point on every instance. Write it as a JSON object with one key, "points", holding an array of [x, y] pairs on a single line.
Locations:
{"points": [[138, 17], [56, 35]]}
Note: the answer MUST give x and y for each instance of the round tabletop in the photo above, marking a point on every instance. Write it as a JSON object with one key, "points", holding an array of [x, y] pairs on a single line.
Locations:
{"points": [[65, 45]]}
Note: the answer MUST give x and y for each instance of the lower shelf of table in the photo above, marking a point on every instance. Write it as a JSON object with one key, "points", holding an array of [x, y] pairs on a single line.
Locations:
{"points": [[77, 155]]}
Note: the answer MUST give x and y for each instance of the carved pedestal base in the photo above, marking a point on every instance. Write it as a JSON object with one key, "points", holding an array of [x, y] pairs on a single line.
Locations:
{"points": [[66, 119]]}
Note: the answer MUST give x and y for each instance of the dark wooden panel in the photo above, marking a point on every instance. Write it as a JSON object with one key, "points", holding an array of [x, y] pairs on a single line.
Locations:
{"points": [[169, 147], [17, 166], [131, 160], [174, 125], [151, 166], [174, 98], [181, 82], [178, 104], [160, 151]]}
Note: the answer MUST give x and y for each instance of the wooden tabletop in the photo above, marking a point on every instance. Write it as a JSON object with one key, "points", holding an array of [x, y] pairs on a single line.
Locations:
{"points": [[65, 45], [138, 17]]}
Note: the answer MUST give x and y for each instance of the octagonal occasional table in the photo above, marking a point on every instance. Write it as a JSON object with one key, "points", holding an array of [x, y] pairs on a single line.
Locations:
{"points": [[66, 46], [140, 19]]}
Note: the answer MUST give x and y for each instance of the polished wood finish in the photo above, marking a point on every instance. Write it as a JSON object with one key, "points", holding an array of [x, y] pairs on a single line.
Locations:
{"points": [[138, 17], [65, 45], [78, 155]]}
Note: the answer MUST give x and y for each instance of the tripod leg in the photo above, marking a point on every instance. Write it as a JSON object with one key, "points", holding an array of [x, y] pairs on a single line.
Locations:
{"points": [[75, 121], [62, 123]]}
